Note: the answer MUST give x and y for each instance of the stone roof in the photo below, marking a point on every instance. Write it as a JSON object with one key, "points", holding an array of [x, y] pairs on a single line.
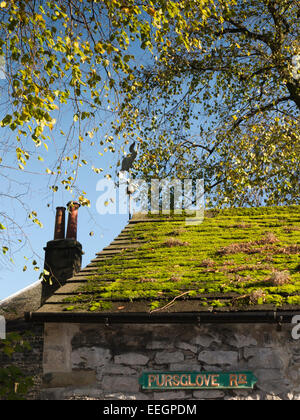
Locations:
{"points": [[236, 260], [27, 299]]}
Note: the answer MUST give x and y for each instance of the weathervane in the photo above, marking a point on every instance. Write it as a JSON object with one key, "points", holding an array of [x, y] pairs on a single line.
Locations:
{"points": [[127, 164]]}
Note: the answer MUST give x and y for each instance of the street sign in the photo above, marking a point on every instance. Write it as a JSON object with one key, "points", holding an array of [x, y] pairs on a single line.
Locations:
{"points": [[197, 380]]}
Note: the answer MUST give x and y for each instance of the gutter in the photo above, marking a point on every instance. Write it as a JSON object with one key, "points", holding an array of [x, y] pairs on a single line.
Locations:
{"points": [[253, 317]]}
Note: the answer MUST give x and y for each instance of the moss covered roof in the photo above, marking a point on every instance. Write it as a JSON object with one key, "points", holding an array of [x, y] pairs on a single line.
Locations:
{"points": [[237, 259]]}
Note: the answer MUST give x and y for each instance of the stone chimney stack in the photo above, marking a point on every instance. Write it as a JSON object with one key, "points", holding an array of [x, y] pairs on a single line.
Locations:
{"points": [[63, 255]]}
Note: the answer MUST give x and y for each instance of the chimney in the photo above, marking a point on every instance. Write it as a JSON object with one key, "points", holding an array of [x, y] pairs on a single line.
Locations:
{"points": [[63, 255]]}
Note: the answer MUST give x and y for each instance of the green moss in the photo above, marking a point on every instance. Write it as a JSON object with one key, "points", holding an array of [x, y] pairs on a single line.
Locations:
{"points": [[164, 268], [293, 300], [217, 303], [274, 299]]}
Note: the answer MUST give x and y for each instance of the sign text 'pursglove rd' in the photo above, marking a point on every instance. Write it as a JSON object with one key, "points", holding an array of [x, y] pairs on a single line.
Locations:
{"points": [[196, 380]]}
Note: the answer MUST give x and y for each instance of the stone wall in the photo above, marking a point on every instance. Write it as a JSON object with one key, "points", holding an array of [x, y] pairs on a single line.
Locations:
{"points": [[30, 361], [89, 361]]}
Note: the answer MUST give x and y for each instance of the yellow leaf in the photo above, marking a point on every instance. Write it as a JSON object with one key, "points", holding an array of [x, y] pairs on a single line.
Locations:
{"points": [[99, 48], [39, 17], [151, 11], [3, 4]]}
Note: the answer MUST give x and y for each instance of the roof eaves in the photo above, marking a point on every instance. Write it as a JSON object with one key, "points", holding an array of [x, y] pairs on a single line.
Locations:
{"points": [[268, 317]]}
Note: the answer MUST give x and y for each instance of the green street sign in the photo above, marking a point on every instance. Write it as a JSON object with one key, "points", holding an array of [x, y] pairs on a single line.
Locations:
{"points": [[197, 380]]}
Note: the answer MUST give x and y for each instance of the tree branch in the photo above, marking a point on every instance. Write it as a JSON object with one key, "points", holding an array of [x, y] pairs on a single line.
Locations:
{"points": [[254, 112]]}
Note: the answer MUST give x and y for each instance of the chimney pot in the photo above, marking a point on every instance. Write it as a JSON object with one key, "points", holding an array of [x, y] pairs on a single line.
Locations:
{"points": [[72, 220], [59, 230]]}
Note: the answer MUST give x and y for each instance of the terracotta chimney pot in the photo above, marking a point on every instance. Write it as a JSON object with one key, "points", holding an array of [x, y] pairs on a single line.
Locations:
{"points": [[72, 220], [59, 230]]}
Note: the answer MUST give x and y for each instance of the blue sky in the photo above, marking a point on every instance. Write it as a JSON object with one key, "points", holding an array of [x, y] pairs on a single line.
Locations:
{"points": [[32, 184], [104, 229]]}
